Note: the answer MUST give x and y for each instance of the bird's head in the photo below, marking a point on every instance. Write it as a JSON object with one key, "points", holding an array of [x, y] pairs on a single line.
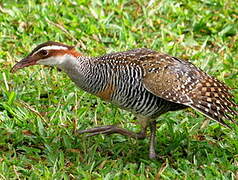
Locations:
{"points": [[48, 53]]}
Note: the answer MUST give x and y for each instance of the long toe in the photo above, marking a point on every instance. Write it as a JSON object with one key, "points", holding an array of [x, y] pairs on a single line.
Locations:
{"points": [[96, 130]]}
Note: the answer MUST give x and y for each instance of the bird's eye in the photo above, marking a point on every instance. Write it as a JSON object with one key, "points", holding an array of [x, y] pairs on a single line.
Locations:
{"points": [[44, 52]]}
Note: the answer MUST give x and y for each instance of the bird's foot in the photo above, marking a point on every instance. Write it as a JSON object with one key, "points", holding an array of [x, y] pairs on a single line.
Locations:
{"points": [[152, 154], [97, 130], [111, 129]]}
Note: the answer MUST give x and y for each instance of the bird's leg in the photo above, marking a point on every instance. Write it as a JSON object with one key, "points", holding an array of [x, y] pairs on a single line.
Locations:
{"points": [[152, 153], [111, 129]]}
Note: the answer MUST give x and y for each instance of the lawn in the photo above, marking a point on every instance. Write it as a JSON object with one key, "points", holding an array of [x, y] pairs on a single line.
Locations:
{"points": [[41, 109]]}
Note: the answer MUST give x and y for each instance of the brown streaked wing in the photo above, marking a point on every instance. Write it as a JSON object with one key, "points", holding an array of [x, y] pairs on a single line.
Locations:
{"points": [[181, 82], [170, 78]]}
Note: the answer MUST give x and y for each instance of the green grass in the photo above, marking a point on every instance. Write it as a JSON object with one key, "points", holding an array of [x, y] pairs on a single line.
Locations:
{"points": [[41, 109]]}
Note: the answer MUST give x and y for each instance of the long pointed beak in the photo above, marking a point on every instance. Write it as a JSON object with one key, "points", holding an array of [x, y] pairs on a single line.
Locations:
{"points": [[28, 61]]}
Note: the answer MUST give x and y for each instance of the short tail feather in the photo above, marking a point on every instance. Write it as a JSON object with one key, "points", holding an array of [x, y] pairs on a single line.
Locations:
{"points": [[213, 99]]}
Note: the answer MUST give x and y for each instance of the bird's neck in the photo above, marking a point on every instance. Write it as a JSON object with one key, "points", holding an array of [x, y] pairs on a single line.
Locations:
{"points": [[83, 71]]}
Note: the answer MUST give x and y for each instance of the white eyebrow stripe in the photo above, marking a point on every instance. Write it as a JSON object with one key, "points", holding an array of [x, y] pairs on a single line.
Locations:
{"points": [[54, 47]]}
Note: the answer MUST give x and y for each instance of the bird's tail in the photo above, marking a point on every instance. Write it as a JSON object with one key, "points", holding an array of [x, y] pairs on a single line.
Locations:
{"points": [[212, 98]]}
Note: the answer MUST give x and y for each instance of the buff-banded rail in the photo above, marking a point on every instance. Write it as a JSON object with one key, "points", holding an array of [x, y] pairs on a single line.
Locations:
{"points": [[143, 81]]}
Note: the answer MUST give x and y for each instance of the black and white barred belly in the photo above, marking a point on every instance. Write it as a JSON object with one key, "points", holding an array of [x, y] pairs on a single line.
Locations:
{"points": [[130, 94]]}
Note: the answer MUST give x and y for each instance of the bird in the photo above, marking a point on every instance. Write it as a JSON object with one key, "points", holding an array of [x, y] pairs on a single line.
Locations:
{"points": [[142, 81]]}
